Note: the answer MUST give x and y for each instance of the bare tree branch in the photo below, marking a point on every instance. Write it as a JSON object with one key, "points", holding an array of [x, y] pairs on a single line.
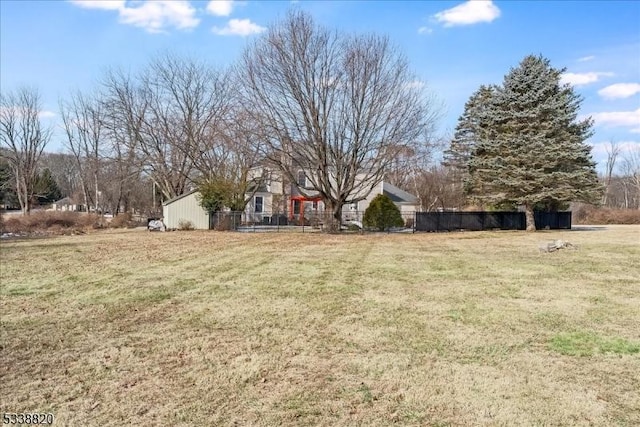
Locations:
{"points": [[24, 138], [338, 108]]}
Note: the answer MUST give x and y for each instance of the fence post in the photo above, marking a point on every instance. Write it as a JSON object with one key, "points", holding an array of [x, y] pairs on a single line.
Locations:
{"points": [[415, 220]]}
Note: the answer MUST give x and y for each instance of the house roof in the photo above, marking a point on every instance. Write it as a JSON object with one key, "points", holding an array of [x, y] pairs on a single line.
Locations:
{"points": [[64, 201], [183, 195], [398, 195], [255, 187]]}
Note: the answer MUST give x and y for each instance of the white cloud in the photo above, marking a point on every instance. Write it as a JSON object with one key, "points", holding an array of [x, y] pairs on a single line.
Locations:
{"points": [[470, 12], [425, 30], [636, 130], [100, 4], [239, 27], [579, 79], [18, 111], [586, 58], [156, 16], [600, 148], [619, 90], [220, 7], [617, 118], [415, 84], [46, 114]]}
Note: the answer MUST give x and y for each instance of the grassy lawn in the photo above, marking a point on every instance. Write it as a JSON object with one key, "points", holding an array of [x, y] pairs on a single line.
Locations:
{"points": [[229, 329]]}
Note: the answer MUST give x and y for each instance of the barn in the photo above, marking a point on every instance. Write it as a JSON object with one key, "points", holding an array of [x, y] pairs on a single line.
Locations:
{"points": [[183, 208]]}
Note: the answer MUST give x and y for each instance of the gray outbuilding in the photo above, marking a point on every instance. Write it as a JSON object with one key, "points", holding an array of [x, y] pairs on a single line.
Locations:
{"points": [[183, 208]]}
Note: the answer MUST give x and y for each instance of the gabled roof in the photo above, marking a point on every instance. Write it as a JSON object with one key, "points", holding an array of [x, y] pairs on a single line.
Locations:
{"points": [[397, 195], [183, 195], [64, 201], [257, 187]]}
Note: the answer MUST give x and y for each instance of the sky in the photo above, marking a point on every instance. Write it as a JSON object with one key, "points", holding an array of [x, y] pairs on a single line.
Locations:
{"points": [[453, 46]]}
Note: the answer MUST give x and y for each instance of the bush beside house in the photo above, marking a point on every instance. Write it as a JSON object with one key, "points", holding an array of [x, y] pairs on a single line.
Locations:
{"points": [[382, 214]]}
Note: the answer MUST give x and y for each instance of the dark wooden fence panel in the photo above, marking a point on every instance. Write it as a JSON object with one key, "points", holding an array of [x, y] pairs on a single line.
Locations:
{"points": [[452, 221]]}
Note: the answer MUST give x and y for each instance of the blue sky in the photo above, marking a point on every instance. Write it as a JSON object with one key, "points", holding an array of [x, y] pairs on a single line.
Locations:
{"points": [[453, 47]]}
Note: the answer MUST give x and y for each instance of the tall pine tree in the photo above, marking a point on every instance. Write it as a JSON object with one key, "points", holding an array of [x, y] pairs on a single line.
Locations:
{"points": [[46, 188], [468, 130], [532, 148]]}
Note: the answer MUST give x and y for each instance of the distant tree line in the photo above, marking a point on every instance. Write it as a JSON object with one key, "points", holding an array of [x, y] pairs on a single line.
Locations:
{"points": [[621, 178]]}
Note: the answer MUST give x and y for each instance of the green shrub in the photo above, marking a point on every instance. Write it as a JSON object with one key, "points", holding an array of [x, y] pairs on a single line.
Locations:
{"points": [[382, 214], [353, 227]]}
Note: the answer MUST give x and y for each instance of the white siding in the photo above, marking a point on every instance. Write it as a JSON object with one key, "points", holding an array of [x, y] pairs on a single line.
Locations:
{"points": [[186, 208], [407, 208], [364, 204]]}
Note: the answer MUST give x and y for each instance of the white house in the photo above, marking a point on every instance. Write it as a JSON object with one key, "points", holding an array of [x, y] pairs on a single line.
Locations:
{"points": [[274, 197], [273, 200], [66, 204]]}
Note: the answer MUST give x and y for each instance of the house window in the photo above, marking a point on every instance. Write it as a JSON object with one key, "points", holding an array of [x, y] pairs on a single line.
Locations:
{"points": [[315, 205], [354, 206], [258, 203], [302, 180]]}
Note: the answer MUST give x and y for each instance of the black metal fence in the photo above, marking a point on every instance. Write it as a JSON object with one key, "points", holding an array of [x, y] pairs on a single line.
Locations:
{"points": [[452, 221], [553, 220], [309, 221]]}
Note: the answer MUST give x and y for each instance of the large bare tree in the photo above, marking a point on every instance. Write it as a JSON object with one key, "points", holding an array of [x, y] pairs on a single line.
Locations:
{"points": [[335, 107], [23, 137], [631, 177], [229, 162], [612, 149], [186, 102], [83, 120]]}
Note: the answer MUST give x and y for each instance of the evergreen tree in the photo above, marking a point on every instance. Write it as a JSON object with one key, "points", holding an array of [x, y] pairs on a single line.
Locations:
{"points": [[533, 149], [382, 214], [8, 195], [46, 188], [216, 194], [468, 130]]}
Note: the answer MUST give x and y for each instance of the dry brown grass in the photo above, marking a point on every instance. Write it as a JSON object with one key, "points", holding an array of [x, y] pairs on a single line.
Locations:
{"points": [[205, 328], [51, 222], [598, 215]]}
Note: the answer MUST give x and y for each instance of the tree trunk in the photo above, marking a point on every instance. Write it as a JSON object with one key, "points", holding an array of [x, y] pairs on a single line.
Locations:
{"points": [[20, 194], [528, 213], [95, 178], [86, 198], [335, 220], [23, 196]]}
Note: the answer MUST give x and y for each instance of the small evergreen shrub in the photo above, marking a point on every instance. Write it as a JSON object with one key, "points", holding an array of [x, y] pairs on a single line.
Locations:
{"points": [[382, 214]]}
